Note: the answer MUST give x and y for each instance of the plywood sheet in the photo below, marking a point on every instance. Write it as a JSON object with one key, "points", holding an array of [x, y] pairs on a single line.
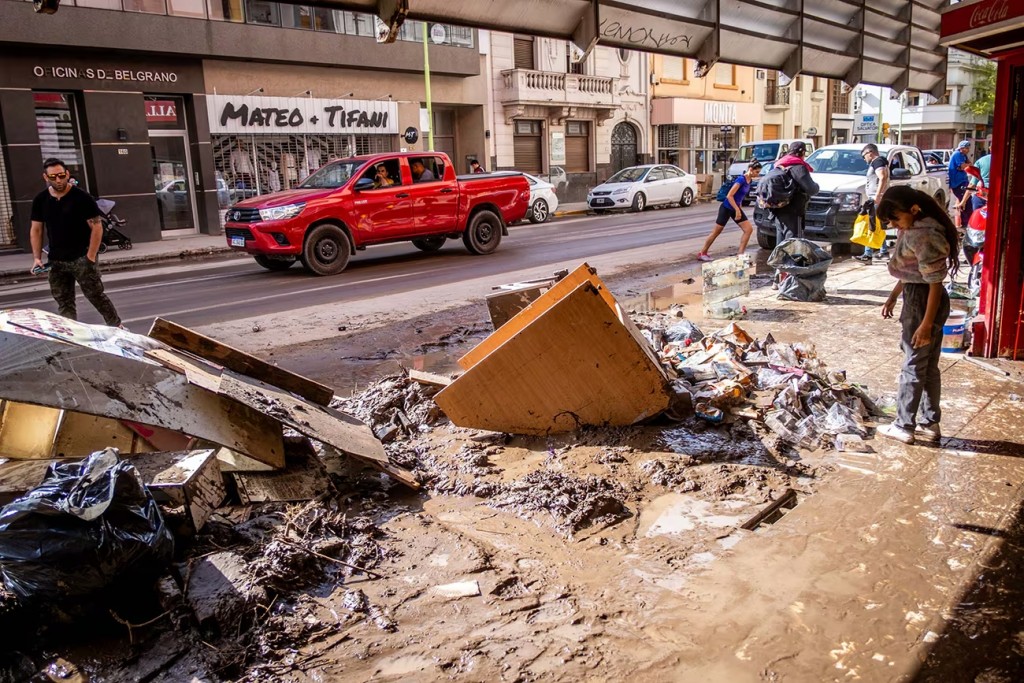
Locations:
{"points": [[27, 431], [62, 375], [18, 477], [187, 479], [80, 435], [238, 361], [574, 364]]}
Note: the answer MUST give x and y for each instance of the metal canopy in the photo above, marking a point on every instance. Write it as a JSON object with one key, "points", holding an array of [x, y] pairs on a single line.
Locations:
{"points": [[882, 42]]}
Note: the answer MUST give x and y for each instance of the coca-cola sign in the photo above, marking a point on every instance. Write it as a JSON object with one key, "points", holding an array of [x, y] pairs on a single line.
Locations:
{"points": [[975, 18]]}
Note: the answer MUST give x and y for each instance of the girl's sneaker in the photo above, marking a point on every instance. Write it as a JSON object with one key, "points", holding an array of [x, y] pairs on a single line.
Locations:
{"points": [[928, 433], [898, 433], [703, 256]]}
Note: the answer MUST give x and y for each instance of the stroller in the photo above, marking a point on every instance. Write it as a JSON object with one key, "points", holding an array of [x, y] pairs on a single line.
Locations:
{"points": [[112, 237]]}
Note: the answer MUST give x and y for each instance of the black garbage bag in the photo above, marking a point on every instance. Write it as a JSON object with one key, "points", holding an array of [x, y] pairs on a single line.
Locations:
{"points": [[87, 524], [806, 264]]}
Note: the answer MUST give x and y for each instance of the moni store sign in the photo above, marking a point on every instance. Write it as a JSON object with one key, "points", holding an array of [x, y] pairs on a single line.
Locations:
{"points": [[298, 115]]}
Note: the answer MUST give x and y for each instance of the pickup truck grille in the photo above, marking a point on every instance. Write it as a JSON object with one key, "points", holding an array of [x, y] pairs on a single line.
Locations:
{"points": [[239, 232], [243, 216], [601, 193], [820, 203]]}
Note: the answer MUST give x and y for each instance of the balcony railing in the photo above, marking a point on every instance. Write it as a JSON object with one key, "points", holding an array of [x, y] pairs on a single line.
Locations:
{"points": [[546, 87], [777, 96]]}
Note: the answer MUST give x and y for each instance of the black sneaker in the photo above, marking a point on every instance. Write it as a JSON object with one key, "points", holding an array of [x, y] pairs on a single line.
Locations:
{"points": [[863, 258]]}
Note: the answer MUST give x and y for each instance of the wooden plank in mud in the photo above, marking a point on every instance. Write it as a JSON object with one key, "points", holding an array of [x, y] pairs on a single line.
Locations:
{"points": [[56, 374], [238, 361], [574, 364], [27, 431]]}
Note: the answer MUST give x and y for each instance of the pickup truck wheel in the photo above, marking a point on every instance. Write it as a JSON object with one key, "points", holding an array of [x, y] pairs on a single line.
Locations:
{"points": [[539, 212], [483, 234], [326, 250], [639, 202], [687, 198], [429, 243], [765, 241], [274, 263]]}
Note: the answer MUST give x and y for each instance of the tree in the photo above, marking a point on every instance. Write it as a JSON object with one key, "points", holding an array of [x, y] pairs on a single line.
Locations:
{"points": [[983, 90]]}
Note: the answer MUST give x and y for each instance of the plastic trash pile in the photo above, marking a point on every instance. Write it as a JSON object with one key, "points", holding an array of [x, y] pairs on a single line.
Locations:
{"points": [[787, 396]]}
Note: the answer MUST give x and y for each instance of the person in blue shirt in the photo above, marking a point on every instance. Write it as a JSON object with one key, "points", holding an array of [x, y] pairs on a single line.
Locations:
{"points": [[732, 207], [958, 179], [978, 190]]}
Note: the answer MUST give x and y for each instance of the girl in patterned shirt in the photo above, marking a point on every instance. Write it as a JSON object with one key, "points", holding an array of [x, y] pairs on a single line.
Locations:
{"points": [[926, 251]]}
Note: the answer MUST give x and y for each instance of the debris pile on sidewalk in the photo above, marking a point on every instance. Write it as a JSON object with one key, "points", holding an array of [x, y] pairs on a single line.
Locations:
{"points": [[783, 392]]}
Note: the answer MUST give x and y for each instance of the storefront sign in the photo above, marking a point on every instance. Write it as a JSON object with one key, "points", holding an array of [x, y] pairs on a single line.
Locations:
{"points": [[720, 112], [298, 115], [411, 135], [161, 111], [557, 148], [865, 124], [97, 74], [437, 34]]}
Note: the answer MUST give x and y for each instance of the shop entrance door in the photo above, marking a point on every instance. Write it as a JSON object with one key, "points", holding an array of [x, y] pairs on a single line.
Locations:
{"points": [[172, 179]]}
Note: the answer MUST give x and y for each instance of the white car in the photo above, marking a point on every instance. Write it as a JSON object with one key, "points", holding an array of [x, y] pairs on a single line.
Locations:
{"points": [[543, 201], [638, 187]]}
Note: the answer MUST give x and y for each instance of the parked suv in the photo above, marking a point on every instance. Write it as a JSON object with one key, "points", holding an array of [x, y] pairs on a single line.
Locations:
{"points": [[352, 203], [841, 173]]}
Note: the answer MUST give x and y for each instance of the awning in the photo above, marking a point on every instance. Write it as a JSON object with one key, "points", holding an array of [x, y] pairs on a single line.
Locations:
{"points": [[984, 27], [893, 43]]}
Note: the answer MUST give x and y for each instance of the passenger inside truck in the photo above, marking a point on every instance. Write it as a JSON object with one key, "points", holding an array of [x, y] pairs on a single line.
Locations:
{"points": [[384, 174]]}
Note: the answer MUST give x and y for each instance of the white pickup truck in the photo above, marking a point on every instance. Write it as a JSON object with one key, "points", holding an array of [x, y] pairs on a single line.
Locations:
{"points": [[841, 173]]}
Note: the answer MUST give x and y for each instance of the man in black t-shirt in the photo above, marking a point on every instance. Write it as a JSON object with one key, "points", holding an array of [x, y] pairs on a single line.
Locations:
{"points": [[875, 185], [75, 229]]}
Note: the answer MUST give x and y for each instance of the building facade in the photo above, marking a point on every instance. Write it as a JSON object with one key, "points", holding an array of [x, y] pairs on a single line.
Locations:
{"points": [[174, 109], [796, 108], [925, 121], [573, 122]]}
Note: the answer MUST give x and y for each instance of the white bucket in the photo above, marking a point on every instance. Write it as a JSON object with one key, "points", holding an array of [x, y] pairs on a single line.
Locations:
{"points": [[953, 332]]}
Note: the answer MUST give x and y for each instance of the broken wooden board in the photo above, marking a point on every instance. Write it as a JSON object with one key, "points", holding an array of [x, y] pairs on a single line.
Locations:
{"points": [[238, 361], [187, 479], [230, 461], [429, 378], [18, 477], [304, 478], [574, 364], [43, 371], [27, 431], [582, 273], [725, 279], [81, 434], [506, 304]]}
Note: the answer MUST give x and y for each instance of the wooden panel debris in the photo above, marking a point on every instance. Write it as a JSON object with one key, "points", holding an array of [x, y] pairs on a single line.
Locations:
{"points": [[506, 304], [190, 480], [575, 363], [238, 361], [17, 477], [27, 431], [43, 371], [429, 378], [304, 478], [80, 434]]}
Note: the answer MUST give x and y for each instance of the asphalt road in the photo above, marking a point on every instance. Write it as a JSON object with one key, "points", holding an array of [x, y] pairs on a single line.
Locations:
{"points": [[204, 293]]}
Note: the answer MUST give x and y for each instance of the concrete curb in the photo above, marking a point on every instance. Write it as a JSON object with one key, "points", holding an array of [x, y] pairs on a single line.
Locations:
{"points": [[11, 276]]}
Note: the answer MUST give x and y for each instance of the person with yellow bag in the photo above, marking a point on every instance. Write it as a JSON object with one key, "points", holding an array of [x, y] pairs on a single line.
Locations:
{"points": [[874, 187]]}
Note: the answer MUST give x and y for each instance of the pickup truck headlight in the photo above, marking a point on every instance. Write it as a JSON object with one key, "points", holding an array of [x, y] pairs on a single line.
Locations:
{"points": [[279, 213], [848, 201], [621, 190]]}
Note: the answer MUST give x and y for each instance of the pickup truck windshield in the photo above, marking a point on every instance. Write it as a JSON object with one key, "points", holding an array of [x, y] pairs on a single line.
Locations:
{"points": [[332, 175], [628, 175], [846, 161], [767, 152]]}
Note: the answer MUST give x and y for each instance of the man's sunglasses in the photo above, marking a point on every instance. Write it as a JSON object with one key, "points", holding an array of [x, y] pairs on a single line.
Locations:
{"points": [[57, 176]]}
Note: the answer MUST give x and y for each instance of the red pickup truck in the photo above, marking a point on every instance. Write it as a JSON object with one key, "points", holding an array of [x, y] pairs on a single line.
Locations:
{"points": [[352, 203]]}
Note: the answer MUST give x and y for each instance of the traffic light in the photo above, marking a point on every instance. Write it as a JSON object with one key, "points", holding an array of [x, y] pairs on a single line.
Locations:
{"points": [[885, 130]]}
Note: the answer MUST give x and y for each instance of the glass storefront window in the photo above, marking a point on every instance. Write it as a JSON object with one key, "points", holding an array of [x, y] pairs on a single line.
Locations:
{"points": [[164, 112], [147, 6], [327, 20], [187, 8], [226, 10], [99, 4], [59, 135]]}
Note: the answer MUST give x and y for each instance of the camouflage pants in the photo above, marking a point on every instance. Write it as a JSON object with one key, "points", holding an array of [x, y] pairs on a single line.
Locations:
{"points": [[64, 275]]}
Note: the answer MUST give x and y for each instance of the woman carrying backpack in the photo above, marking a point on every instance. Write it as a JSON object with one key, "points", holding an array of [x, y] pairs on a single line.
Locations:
{"points": [[925, 252], [732, 207]]}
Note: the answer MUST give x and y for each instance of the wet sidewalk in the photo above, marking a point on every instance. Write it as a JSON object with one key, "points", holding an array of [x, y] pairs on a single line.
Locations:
{"points": [[15, 266], [866, 579]]}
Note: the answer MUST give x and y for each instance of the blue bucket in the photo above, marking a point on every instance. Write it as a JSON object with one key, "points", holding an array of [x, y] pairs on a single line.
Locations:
{"points": [[953, 332]]}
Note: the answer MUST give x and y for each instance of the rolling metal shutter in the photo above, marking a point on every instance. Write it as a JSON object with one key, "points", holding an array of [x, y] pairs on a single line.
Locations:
{"points": [[523, 50], [527, 150]]}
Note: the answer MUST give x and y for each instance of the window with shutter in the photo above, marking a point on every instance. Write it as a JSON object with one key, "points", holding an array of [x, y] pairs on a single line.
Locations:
{"points": [[523, 53], [577, 147]]}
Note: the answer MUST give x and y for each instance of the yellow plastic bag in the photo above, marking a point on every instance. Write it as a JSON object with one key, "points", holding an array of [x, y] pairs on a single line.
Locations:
{"points": [[864, 234]]}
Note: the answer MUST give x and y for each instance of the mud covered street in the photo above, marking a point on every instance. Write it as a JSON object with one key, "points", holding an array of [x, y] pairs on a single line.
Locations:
{"points": [[674, 550]]}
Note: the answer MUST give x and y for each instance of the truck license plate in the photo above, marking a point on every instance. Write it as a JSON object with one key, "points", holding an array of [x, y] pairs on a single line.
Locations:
{"points": [[238, 241]]}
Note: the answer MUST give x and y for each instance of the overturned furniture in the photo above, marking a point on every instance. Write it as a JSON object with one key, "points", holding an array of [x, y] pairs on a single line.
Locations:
{"points": [[67, 388], [571, 358]]}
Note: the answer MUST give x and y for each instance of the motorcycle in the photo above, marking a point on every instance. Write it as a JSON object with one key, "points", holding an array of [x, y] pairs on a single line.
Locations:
{"points": [[112, 236], [974, 236]]}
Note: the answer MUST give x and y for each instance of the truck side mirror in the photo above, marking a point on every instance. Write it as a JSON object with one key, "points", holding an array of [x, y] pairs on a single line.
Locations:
{"points": [[900, 173], [363, 184]]}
